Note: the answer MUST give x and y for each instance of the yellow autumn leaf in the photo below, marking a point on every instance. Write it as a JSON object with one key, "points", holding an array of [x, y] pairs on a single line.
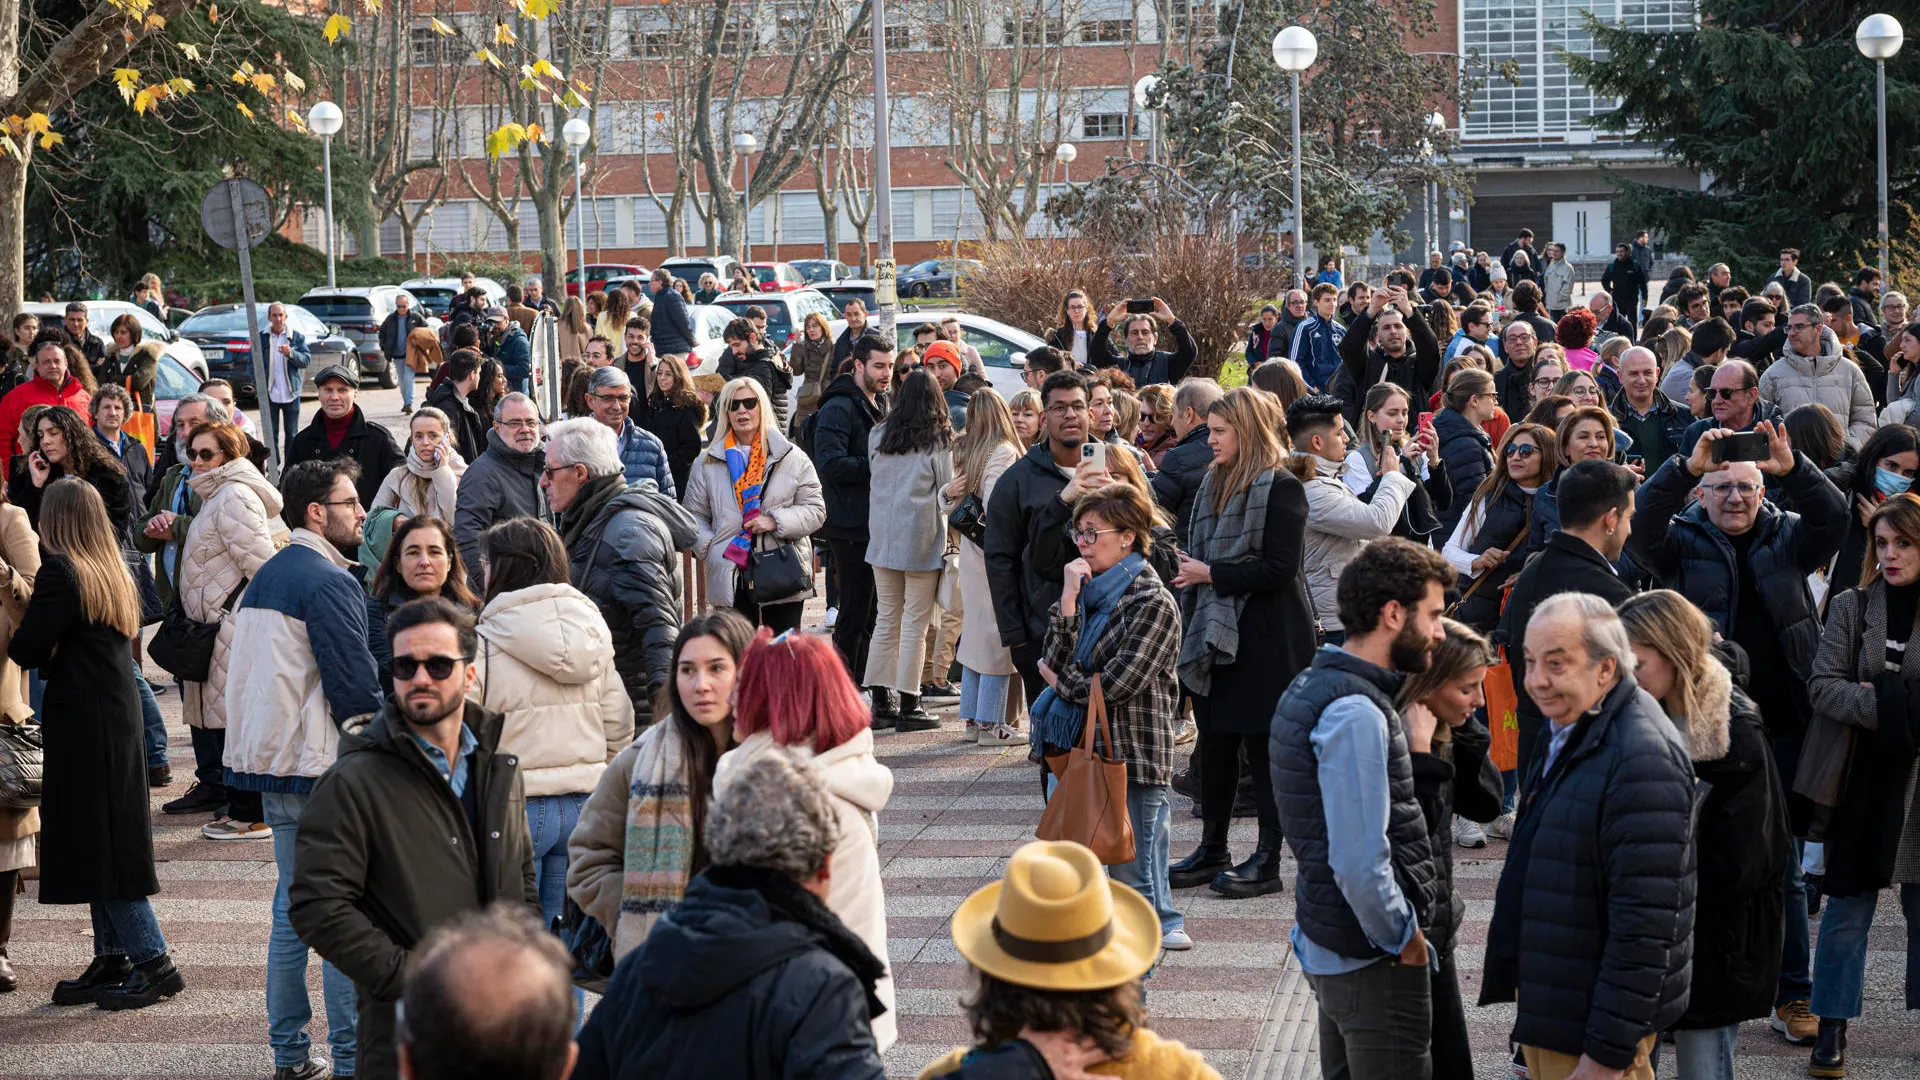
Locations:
{"points": [[536, 9], [504, 138], [155, 22], [293, 82], [440, 28], [213, 14], [371, 7], [537, 133], [487, 55], [190, 51], [573, 100], [36, 123], [144, 100], [542, 69], [503, 34], [263, 82], [127, 79], [180, 86], [244, 111], [51, 139], [7, 144], [337, 25]]}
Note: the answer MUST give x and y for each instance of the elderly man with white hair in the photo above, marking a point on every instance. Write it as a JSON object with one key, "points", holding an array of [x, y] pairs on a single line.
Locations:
{"points": [[1593, 917], [623, 543], [1656, 422], [1612, 320]]}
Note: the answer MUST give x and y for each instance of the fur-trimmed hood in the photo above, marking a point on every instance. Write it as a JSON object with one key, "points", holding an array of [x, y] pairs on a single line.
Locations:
{"points": [[1707, 731]]}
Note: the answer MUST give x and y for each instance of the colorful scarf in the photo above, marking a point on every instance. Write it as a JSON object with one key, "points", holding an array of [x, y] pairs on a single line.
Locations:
{"points": [[747, 465], [659, 840]]}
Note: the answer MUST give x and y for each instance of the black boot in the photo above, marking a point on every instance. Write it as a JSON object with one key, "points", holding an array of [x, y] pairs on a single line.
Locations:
{"points": [[1208, 859], [1811, 884], [885, 712], [1258, 876], [8, 879], [154, 980], [913, 717], [105, 971], [1830, 1051]]}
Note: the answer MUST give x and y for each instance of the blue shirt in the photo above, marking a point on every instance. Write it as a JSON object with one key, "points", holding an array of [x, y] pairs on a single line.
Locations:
{"points": [[1556, 738], [1350, 741], [454, 774]]}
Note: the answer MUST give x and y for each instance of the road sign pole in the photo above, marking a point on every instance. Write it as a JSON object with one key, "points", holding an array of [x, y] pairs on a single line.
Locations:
{"points": [[262, 377]]}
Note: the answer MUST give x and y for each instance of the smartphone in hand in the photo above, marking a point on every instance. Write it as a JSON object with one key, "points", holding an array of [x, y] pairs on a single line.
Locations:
{"points": [[1745, 446]]}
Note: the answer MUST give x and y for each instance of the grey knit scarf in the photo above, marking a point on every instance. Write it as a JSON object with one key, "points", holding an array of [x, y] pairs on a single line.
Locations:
{"points": [[1233, 534]]}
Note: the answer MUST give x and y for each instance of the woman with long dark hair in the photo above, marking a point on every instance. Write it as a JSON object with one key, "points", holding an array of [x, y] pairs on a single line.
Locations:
{"points": [[612, 322], [96, 839], [1885, 466], [675, 415], [1248, 629], [1073, 335], [65, 446], [1488, 547], [421, 560], [638, 840], [911, 459]]}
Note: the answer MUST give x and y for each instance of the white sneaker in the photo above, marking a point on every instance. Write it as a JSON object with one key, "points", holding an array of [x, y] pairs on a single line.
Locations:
{"points": [[1502, 827], [1468, 834], [1176, 941], [970, 732], [226, 828], [1002, 735], [833, 616]]}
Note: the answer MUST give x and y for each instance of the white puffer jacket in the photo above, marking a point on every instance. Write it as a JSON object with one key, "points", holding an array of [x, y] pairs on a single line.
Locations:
{"points": [[546, 663], [1829, 379], [236, 531], [1339, 525]]}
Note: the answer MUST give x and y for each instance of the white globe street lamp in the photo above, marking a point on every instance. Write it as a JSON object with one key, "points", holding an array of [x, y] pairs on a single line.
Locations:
{"points": [[1142, 99], [577, 133], [324, 120], [1294, 50], [1879, 39], [745, 144]]}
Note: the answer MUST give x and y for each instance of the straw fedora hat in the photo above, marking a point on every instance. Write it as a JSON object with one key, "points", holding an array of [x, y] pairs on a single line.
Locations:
{"points": [[1057, 922]]}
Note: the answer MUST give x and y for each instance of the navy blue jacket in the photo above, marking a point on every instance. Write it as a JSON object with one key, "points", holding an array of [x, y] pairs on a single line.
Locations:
{"points": [[672, 326]]}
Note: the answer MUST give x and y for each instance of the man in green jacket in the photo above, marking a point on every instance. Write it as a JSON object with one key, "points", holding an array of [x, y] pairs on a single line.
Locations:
{"points": [[422, 819]]}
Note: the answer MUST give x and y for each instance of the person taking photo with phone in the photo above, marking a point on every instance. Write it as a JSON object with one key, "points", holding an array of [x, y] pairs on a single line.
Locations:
{"points": [[1339, 523], [1386, 343], [1384, 433], [1144, 361]]}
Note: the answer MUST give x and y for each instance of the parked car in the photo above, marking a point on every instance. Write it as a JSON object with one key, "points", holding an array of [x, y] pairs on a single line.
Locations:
{"points": [[819, 271], [100, 317], [171, 382], [1003, 348], [221, 332], [845, 289], [785, 311], [358, 312], [936, 277], [776, 276], [598, 273], [709, 329], [689, 268], [435, 294]]}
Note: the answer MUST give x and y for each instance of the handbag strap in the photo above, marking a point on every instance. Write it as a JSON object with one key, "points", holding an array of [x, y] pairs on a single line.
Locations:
{"points": [[235, 594], [1526, 526], [1096, 715]]}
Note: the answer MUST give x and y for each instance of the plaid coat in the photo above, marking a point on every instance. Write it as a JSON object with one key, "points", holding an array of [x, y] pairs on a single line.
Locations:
{"points": [[1136, 660]]}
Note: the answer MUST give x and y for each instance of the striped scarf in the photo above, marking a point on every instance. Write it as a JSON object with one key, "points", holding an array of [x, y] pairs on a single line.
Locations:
{"points": [[747, 465], [659, 841]]}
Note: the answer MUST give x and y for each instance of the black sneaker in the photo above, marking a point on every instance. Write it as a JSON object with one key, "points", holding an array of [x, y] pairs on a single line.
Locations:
{"points": [[306, 1070], [199, 799], [941, 693], [154, 981]]}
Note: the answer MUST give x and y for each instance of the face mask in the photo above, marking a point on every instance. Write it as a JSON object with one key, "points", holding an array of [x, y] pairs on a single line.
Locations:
{"points": [[1890, 483]]}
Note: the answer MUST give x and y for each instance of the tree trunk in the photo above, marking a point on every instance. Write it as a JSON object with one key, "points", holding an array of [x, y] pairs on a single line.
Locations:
{"points": [[13, 170], [553, 239]]}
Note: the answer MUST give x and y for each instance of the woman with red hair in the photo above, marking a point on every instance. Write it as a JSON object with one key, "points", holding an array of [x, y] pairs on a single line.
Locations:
{"points": [[795, 699], [1574, 333]]}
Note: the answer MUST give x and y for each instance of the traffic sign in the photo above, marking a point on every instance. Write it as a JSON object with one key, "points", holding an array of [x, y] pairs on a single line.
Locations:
{"points": [[220, 210]]}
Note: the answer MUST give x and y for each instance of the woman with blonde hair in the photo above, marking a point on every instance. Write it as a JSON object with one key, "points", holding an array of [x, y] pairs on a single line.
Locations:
{"points": [[96, 838], [426, 482], [1027, 413], [709, 288], [990, 693], [812, 361], [1384, 419], [1670, 346], [612, 323], [1247, 629]]}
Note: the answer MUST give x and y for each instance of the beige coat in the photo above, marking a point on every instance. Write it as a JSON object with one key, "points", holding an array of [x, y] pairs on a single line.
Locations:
{"points": [[22, 551], [546, 663], [232, 536], [860, 787], [980, 649], [791, 494]]}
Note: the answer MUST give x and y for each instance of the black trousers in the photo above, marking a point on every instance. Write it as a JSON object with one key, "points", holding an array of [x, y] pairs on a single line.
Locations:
{"points": [[209, 748], [1217, 755], [1026, 661], [778, 617], [1452, 1053], [853, 628]]}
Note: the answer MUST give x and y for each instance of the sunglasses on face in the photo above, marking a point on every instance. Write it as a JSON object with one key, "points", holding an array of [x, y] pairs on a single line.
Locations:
{"points": [[202, 455], [738, 404], [1724, 393], [438, 667], [1521, 450]]}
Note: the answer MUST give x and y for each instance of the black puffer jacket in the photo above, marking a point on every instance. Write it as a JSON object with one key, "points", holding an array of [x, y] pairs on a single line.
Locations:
{"points": [[1592, 930], [1503, 524], [748, 977], [840, 455], [1179, 476], [624, 541], [1676, 542], [766, 366], [1456, 778], [1027, 546], [1468, 455], [367, 443], [501, 484]]}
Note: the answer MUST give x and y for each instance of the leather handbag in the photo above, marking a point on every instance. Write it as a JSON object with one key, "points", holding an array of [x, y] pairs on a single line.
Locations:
{"points": [[184, 647], [21, 760], [587, 942], [1089, 802], [777, 574], [969, 519]]}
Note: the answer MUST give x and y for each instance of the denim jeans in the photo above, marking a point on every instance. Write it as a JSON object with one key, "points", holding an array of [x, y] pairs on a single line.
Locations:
{"points": [[1840, 964], [286, 420], [127, 928], [404, 374], [1147, 806], [1376, 1022], [1701, 1054], [156, 728], [983, 698], [288, 1009], [550, 821], [1796, 955]]}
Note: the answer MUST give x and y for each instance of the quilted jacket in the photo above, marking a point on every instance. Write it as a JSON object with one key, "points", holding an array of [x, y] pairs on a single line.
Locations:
{"points": [[231, 537]]}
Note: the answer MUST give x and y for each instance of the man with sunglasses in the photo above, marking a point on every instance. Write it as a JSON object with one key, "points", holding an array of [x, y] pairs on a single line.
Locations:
{"points": [[422, 820], [1734, 398], [300, 674]]}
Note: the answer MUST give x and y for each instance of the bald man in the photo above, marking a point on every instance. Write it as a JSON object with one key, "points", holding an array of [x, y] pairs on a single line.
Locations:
{"points": [[490, 995], [1656, 423]]}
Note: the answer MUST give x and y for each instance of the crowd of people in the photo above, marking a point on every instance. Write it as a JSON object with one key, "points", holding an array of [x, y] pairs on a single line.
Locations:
{"points": [[1400, 593]]}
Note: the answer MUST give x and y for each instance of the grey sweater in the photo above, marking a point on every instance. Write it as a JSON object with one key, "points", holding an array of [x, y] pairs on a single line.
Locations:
{"points": [[907, 530]]}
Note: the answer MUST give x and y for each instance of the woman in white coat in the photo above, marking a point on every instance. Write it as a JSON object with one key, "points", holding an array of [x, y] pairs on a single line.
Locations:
{"points": [[794, 698], [426, 483], [990, 695], [232, 536], [752, 491], [546, 664]]}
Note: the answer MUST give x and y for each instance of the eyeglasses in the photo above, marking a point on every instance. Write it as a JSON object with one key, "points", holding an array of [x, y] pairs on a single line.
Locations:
{"points": [[209, 455], [1546, 381], [1088, 537], [613, 399], [738, 404], [1800, 326], [438, 667], [1067, 409], [1742, 488], [520, 423], [1725, 393], [355, 501], [1521, 450], [550, 470]]}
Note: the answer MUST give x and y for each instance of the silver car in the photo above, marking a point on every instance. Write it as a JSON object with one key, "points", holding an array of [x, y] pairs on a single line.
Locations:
{"points": [[358, 312]]}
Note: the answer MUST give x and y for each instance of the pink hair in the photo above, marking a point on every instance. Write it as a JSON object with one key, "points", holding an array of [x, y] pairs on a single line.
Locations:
{"points": [[797, 689]]}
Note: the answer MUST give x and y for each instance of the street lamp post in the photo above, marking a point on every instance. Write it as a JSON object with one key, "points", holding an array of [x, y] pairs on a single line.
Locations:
{"points": [[1294, 49], [1437, 124], [1063, 157], [324, 120], [577, 133], [1879, 39], [745, 144], [1142, 96]]}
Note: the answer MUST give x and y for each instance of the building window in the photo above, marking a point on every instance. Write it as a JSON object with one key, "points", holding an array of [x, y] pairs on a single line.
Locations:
{"points": [[429, 48], [738, 38], [1546, 98], [1101, 31], [1032, 30], [1103, 126], [1191, 20], [648, 39], [899, 38]]}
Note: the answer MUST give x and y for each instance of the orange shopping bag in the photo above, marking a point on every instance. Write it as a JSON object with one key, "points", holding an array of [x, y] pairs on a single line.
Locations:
{"points": [[1502, 715], [140, 424]]}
